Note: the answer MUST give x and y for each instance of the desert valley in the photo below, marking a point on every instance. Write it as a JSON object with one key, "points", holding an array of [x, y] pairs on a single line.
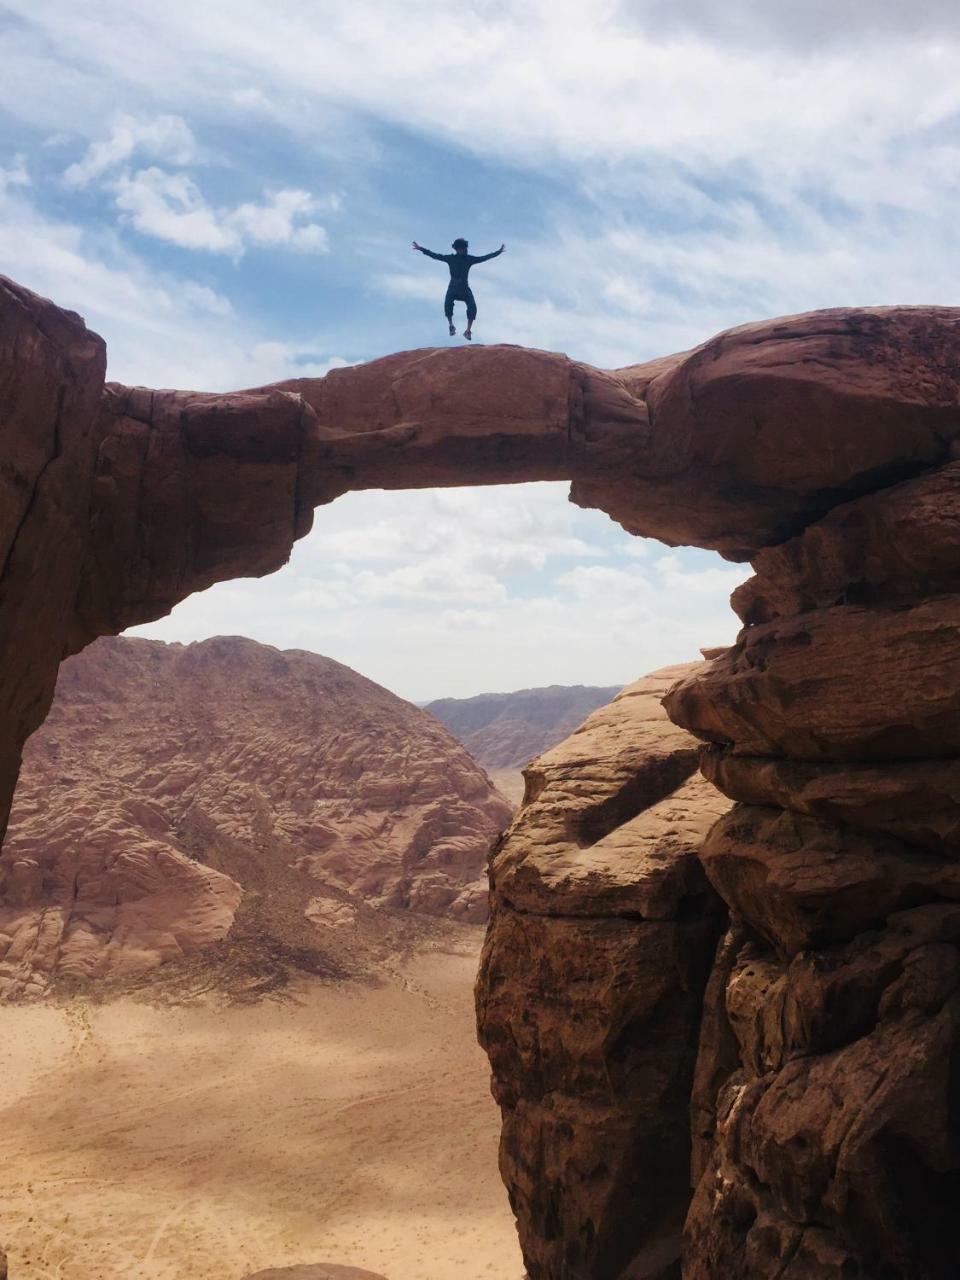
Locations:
{"points": [[479, 772], [240, 897], [240, 904]]}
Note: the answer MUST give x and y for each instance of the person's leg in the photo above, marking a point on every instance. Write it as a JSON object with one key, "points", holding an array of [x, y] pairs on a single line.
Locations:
{"points": [[448, 310], [471, 314]]}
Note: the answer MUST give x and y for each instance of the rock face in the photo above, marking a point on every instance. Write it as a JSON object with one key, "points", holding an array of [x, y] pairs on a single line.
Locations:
{"points": [[168, 779], [602, 936], [824, 448], [506, 730], [51, 379], [826, 1135]]}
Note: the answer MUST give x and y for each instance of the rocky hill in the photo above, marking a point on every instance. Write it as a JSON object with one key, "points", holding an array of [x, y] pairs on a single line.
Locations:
{"points": [[506, 730], [171, 783]]}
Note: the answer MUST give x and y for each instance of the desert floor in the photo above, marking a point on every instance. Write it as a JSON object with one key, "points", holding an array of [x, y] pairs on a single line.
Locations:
{"points": [[353, 1125], [509, 782]]}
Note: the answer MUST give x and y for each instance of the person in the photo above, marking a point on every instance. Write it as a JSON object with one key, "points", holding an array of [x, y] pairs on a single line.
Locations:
{"points": [[458, 290]]}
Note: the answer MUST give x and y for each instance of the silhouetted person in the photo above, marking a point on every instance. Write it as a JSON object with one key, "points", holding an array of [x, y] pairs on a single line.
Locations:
{"points": [[458, 289]]}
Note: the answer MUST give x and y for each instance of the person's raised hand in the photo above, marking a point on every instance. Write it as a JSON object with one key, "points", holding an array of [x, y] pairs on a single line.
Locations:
{"points": [[502, 247], [415, 245]]}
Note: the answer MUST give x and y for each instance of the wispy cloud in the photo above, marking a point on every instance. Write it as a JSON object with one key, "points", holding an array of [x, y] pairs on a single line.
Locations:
{"points": [[171, 207], [165, 137], [164, 329]]}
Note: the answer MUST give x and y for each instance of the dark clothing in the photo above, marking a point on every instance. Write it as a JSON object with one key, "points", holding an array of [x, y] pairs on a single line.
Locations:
{"points": [[460, 293], [459, 290], [460, 263]]}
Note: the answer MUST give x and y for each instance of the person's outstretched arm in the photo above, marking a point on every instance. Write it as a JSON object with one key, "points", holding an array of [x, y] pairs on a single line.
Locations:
{"points": [[429, 252], [487, 256]]}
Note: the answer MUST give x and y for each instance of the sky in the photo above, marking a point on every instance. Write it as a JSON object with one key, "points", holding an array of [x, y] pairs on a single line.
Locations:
{"points": [[227, 192]]}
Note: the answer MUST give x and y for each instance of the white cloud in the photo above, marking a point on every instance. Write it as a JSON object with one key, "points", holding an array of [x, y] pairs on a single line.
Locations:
{"points": [[413, 590], [164, 330], [15, 175], [536, 80], [166, 137], [171, 207], [280, 220]]}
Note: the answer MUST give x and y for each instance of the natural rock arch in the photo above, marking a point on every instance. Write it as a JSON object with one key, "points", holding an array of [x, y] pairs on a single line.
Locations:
{"points": [[819, 445]]}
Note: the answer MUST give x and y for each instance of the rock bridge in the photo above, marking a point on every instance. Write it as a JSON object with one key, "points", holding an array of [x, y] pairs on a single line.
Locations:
{"points": [[826, 1138]]}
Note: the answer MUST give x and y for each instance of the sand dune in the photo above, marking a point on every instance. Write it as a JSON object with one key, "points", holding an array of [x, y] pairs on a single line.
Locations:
{"points": [[352, 1126]]}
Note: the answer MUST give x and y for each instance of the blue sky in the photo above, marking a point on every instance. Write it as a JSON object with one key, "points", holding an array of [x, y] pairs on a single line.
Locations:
{"points": [[227, 191]]}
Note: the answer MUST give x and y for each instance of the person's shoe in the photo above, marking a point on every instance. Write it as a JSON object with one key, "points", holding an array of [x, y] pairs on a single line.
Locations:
{"points": [[468, 335], [453, 329]]}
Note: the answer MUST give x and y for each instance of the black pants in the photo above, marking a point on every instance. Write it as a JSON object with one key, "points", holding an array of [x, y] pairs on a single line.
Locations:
{"points": [[460, 293]]}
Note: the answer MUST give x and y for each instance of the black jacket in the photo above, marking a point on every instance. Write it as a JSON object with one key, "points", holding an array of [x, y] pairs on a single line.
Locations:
{"points": [[460, 263]]}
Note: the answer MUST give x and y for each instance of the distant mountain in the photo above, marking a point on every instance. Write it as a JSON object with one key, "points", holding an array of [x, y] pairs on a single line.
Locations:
{"points": [[507, 730], [178, 796]]}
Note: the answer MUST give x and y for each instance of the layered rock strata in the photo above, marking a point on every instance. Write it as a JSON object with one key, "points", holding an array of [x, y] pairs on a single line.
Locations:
{"points": [[821, 446], [827, 1139], [602, 935], [170, 780]]}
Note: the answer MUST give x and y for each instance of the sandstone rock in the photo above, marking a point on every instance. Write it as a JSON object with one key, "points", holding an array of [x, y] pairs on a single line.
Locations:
{"points": [[51, 374], [917, 801], [897, 545], [167, 777], [602, 934], [190, 489], [797, 687], [832, 1158], [802, 883], [591, 1029], [717, 1053], [763, 429]]}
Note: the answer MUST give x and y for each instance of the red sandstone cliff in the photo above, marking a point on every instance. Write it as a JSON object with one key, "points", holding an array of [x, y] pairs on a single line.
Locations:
{"points": [[169, 780], [826, 1139], [602, 934]]}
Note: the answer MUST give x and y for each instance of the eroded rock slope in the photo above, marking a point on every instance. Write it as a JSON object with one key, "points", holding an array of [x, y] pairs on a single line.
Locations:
{"points": [[171, 781]]}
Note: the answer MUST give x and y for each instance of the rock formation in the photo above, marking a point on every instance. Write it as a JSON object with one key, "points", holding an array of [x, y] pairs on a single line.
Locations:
{"points": [[506, 730], [168, 779], [826, 1140], [589, 998]]}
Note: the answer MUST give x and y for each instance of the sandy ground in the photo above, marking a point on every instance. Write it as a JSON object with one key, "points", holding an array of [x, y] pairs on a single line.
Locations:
{"points": [[205, 1142], [509, 782]]}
